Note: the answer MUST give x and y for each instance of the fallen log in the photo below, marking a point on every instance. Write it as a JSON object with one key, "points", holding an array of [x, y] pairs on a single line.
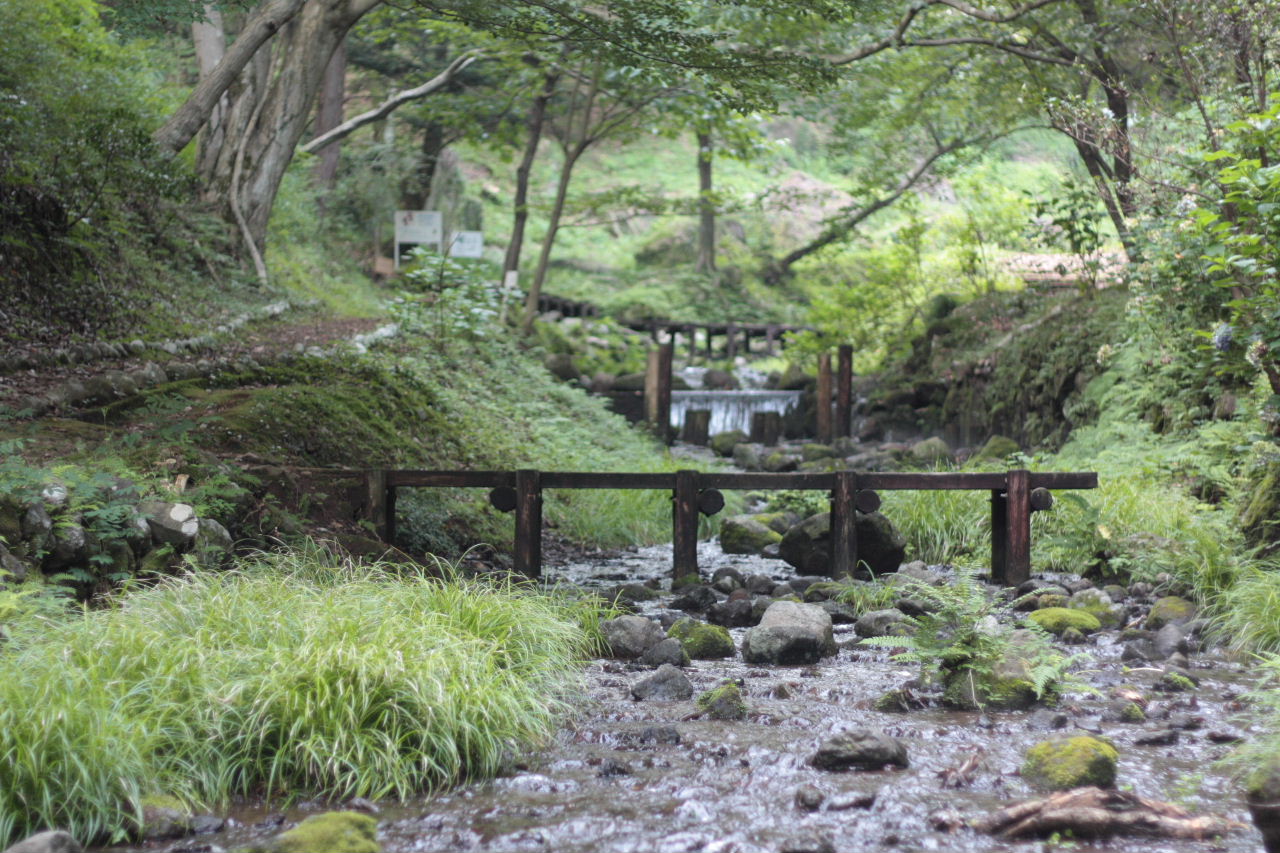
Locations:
{"points": [[1098, 813]]}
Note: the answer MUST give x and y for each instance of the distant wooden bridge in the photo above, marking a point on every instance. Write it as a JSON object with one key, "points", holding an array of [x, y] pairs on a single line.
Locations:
{"points": [[1014, 496]]}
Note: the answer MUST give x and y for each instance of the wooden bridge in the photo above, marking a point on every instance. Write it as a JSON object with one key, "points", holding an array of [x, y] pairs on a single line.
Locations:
{"points": [[1014, 496]]}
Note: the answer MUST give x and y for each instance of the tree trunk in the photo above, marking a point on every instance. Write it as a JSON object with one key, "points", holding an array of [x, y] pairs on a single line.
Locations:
{"points": [[329, 115], [210, 40], [706, 210], [520, 218], [553, 224]]}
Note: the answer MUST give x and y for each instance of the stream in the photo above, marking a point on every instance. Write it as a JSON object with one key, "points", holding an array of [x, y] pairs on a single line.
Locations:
{"points": [[627, 776]]}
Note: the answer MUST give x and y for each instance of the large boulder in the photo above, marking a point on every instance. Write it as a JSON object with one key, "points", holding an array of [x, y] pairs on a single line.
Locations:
{"points": [[807, 545], [997, 448], [50, 841], [860, 749], [1055, 620], [667, 684], [702, 641], [1170, 610], [790, 633], [1006, 686], [724, 442], [744, 534], [171, 523], [1062, 763], [631, 636]]}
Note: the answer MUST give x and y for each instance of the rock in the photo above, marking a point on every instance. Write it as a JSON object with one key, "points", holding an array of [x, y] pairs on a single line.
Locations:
{"points": [[212, 544], [50, 841], [723, 703], [1156, 737], [669, 651], [724, 442], [743, 534], [702, 641], [12, 569], [790, 633], [719, 380], [807, 545], [1169, 641], [808, 844], [734, 613], [1099, 604], [813, 452], [331, 832], [931, 451], [1055, 620], [631, 594], [70, 547], [696, 598], [748, 457], [561, 366], [997, 448], [1062, 763], [879, 623], [165, 817], [631, 636], [779, 462], [860, 749], [1262, 792], [1170, 610], [1175, 682], [171, 523], [1007, 687], [760, 584], [727, 580], [668, 684], [809, 798]]}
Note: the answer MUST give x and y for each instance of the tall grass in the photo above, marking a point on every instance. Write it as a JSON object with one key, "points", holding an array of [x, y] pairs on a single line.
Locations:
{"points": [[293, 676]]}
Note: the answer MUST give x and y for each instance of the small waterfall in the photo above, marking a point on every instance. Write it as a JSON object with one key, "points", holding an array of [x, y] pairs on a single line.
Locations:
{"points": [[731, 409]]}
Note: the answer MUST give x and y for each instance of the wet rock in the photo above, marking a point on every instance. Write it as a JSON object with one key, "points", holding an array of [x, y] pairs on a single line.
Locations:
{"points": [[1007, 686], [1174, 681], [1063, 763], [744, 534], [1139, 650], [846, 802], [1099, 604], [748, 457], [695, 598], [1262, 792], [1157, 737], [723, 703], [702, 641], [735, 613], [1073, 637], [841, 614], [12, 569], [760, 584], [1045, 718], [612, 767], [165, 817], [898, 701], [631, 636], [50, 841], [823, 590], [668, 684], [171, 523], [727, 580], [1141, 589], [880, 623], [807, 545], [808, 844], [724, 442], [70, 546], [946, 820], [860, 749], [331, 832], [790, 633], [1168, 641], [1055, 620], [809, 798], [630, 594], [1170, 610], [1124, 711], [669, 651], [1116, 592]]}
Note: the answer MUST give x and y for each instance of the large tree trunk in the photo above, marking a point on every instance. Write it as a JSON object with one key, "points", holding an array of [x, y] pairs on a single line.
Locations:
{"points": [[269, 114], [537, 116], [706, 210], [210, 40], [329, 115], [553, 224]]}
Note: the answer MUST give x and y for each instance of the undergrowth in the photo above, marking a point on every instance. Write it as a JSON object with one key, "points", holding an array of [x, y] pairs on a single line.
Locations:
{"points": [[295, 675]]}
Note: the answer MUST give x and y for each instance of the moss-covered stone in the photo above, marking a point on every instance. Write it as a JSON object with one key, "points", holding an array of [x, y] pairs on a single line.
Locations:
{"points": [[724, 442], [164, 816], [1170, 610], [930, 451], [702, 641], [1173, 682], [1132, 713], [1060, 764], [723, 703], [969, 690], [743, 534], [1055, 620], [778, 462], [331, 832], [997, 448], [811, 452]]}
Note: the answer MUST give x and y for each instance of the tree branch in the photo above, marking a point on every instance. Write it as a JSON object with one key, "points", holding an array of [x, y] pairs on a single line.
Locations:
{"points": [[391, 104]]}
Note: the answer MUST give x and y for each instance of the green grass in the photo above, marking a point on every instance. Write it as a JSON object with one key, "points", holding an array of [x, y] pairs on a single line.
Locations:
{"points": [[293, 676]]}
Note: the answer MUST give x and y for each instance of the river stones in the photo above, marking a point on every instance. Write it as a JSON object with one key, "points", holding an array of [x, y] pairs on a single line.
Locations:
{"points": [[879, 623], [1062, 763], [859, 749], [669, 651], [1170, 610], [807, 545], [790, 633], [702, 641], [744, 534], [1056, 620], [695, 598], [723, 703], [734, 613], [50, 841], [631, 636], [330, 832], [723, 442], [667, 684]]}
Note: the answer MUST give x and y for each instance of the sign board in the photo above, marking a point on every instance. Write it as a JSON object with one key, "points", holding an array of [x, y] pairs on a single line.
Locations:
{"points": [[418, 227], [467, 244]]}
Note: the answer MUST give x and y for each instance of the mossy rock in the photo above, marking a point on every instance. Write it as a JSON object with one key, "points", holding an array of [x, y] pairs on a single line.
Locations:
{"points": [[702, 641], [1260, 516], [778, 521], [967, 690], [997, 448], [779, 462], [724, 442], [930, 451], [811, 452], [1060, 764], [1170, 610], [824, 591], [723, 703], [1132, 713], [331, 832], [744, 534], [1055, 620]]}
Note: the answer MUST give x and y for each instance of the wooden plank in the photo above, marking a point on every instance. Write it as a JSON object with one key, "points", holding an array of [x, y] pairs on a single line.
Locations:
{"points": [[844, 536], [766, 427], [940, 480], [528, 544], [1017, 567], [454, 479], [999, 530], [824, 398], [390, 530], [684, 525], [605, 480], [844, 390], [753, 481], [1064, 480], [376, 501], [697, 426]]}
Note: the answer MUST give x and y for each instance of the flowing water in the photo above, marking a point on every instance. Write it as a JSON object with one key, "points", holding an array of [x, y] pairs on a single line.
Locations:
{"points": [[731, 409], [633, 777]]}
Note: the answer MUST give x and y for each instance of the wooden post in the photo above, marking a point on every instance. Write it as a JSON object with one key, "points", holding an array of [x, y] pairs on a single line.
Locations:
{"points": [[657, 392], [376, 502], [999, 535], [697, 426], [766, 427], [528, 523], [731, 344], [693, 343], [844, 535], [684, 525], [710, 349], [770, 335], [1018, 526], [824, 398], [390, 526], [844, 390]]}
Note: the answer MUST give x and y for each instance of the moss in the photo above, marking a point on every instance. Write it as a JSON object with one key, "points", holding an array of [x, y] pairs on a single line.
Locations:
{"points": [[1071, 762], [1173, 682], [331, 832], [1055, 620], [997, 449], [723, 703], [1132, 713], [702, 641], [723, 442], [970, 690], [742, 534], [1169, 610], [1260, 514]]}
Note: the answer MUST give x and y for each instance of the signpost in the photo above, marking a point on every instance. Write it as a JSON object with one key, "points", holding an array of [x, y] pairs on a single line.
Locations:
{"points": [[418, 227], [467, 244]]}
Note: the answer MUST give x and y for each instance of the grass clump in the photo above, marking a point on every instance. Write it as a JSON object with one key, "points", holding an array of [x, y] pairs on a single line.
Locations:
{"points": [[292, 676]]}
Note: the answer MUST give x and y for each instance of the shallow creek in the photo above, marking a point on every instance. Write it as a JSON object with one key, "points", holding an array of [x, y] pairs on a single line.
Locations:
{"points": [[627, 776]]}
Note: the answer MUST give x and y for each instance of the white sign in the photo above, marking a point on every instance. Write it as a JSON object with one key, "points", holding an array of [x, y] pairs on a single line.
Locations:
{"points": [[419, 226], [467, 244]]}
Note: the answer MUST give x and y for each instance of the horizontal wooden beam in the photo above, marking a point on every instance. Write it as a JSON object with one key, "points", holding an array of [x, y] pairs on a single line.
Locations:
{"points": [[606, 480], [453, 479]]}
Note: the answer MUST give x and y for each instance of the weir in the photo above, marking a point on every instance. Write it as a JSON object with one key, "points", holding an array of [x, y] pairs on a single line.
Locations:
{"points": [[731, 409]]}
